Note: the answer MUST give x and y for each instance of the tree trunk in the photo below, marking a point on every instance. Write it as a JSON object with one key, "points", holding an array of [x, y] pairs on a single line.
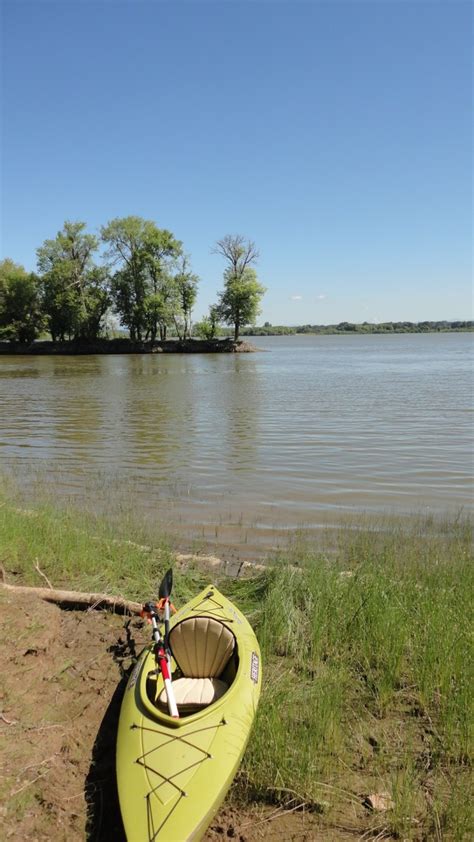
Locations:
{"points": [[177, 330]]}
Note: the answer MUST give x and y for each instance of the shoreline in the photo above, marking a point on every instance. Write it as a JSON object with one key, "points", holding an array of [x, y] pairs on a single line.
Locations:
{"points": [[126, 346]]}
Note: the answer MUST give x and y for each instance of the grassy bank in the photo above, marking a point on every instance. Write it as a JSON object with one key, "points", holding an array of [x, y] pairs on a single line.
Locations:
{"points": [[369, 681], [367, 659], [126, 346]]}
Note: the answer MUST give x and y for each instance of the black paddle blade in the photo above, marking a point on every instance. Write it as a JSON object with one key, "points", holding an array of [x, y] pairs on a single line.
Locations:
{"points": [[166, 585]]}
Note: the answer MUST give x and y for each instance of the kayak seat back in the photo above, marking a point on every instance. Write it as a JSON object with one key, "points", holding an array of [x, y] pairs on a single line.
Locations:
{"points": [[201, 646]]}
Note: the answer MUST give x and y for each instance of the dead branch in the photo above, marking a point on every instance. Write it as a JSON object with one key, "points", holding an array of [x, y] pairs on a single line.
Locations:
{"points": [[77, 599], [38, 568], [29, 783], [7, 721]]}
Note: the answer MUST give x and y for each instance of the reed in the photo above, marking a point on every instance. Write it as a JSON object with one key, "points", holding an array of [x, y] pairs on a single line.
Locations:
{"points": [[369, 682]]}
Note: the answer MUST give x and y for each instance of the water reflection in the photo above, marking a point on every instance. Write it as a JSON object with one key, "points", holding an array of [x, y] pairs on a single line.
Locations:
{"points": [[319, 425], [242, 401]]}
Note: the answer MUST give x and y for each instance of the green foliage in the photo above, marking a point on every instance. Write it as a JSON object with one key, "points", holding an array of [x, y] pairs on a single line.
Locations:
{"points": [[185, 284], [157, 312], [239, 301], [71, 245], [95, 303], [75, 292], [144, 293], [60, 302], [208, 328], [20, 312]]}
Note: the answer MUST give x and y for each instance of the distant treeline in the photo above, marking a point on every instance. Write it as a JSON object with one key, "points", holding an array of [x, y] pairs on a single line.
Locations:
{"points": [[366, 327]]}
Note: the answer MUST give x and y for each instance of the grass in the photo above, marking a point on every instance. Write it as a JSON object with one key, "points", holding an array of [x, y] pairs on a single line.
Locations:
{"points": [[367, 652], [79, 551], [370, 675]]}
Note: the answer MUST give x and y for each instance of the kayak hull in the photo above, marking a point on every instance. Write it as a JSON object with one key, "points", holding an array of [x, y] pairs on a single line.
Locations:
{"points": [[173, 774]]}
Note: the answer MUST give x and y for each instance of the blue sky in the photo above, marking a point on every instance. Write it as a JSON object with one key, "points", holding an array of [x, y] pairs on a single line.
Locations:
{"points": [[335, 134]]}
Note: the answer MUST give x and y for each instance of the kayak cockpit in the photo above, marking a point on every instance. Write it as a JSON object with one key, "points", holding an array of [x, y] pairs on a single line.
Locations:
{"points": [[205, 653]]}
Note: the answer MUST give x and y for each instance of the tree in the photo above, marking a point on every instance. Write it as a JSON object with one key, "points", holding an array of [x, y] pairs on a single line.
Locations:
{"points": [[20, 312], [141, 286], [208, 327], [185, 283], [96, 303], [75, 290], [158, 311], [59, 303], [239, 302], [238, 252]]}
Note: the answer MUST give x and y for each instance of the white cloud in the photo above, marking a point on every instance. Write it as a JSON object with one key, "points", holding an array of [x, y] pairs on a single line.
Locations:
{"points": [[296, 297], [322, 296]]}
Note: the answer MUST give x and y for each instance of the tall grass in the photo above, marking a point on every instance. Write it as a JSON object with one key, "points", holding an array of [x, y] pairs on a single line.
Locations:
{"points": [[370, 673], [77, 550], [367, 653]]}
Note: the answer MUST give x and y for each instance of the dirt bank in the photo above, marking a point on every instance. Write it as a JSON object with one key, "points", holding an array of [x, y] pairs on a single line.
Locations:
{"points": [[63, 675]]}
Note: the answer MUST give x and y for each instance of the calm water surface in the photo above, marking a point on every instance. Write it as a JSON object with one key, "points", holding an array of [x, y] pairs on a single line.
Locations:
{"points": [[239, 448]]}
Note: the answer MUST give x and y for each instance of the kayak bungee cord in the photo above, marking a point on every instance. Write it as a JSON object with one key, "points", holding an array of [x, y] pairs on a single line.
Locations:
{"points": [[152, 833], [216, 611]]}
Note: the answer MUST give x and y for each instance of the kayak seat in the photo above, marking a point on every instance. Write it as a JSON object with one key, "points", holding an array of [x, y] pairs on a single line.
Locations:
{"points": [[192, 694], [202, 648]]}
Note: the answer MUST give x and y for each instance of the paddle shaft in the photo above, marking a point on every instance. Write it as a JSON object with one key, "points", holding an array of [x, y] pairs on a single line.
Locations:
{"points": [[163, 661], [167, 629]]}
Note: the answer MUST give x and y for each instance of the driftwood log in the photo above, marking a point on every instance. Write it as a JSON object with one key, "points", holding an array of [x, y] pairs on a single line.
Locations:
{"points": [[76, 599]]}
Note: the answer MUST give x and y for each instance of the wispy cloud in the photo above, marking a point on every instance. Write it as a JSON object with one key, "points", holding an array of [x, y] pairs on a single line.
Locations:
{"points": [[296, 297], [322, 296]]}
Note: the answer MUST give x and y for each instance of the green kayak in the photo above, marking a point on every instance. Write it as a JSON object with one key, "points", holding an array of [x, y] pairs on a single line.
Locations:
{"points": [[173, 773]]}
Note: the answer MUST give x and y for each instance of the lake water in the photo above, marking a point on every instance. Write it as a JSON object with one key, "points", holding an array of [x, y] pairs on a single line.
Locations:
{"points": [[239, 449]]}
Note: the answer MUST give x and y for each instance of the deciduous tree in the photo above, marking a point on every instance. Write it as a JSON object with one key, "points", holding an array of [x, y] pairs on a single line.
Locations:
{"points": [[208, 327], [141, 285], [240, 299], [185, 283], [20, 312], [75, 290]]}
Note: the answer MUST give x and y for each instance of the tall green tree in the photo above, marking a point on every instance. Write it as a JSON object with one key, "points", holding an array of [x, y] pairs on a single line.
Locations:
{"points": [[20, 311], [60, 303], [239, 301], [185, 283], [75, 291], [141, 286]]}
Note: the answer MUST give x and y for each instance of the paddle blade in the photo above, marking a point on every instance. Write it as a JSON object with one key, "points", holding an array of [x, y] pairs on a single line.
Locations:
{"points": [[166, 585]]}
